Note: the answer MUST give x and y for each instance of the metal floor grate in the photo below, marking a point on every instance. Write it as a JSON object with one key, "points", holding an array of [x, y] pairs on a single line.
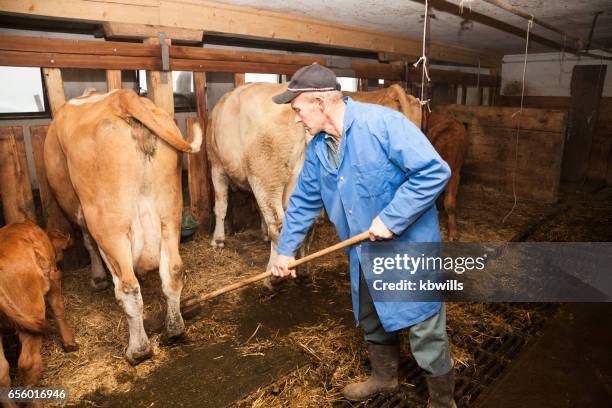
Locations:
{"points": [[491, 357]]}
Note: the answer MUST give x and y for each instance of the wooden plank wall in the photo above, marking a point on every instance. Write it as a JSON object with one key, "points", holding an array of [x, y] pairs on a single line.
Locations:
{"points": [[600, 161], [491, 156], [15, 187]]}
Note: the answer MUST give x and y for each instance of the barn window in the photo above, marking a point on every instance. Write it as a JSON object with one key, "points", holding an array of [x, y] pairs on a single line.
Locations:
{"points": [[21, 91], [348, 84], [270, 78]]}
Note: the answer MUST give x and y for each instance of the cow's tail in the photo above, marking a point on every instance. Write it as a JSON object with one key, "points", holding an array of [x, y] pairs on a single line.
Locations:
{"points": [[409, 105], [20, 320], [160, 123]]}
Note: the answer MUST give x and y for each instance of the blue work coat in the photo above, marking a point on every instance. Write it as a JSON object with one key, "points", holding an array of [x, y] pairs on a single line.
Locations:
{"points": [[387, 168]]}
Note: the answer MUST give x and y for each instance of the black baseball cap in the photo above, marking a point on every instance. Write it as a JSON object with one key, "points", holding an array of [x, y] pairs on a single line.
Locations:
{"points": [[311, 78]]}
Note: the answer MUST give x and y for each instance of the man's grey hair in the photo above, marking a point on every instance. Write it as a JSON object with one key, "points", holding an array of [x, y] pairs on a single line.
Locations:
{"points": [[329, 96]]}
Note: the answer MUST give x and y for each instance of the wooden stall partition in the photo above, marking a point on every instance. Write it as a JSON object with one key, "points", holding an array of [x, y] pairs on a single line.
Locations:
{"points": [[113, 79], [52, 214], [55, 88], [363, 84], [239, 79], [198, 165], [491, 158], [159, 84], [15, 187], [600, 160]]}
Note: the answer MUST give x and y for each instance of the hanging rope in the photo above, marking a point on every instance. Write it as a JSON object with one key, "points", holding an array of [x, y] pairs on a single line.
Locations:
{"points": [[518, 122], [423, 60]]}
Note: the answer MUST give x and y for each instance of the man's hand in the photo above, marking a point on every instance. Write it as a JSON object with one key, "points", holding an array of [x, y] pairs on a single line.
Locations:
{"points": [[379, 231], [280, 267]]}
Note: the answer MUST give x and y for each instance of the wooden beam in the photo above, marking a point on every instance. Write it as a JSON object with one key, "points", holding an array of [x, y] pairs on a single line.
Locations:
{"points": [[198, 179], [205, 183], [238, 79], [241, 21], [113, 29], [55, 88], [159, 89], [113, 79], [363, 84], [15, 187], [456, 10], [52, 214], [125, 49]]}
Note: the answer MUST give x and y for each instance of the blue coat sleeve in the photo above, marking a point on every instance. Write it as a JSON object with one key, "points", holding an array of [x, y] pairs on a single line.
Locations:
{"points": [[304, 206], [426, 173]]}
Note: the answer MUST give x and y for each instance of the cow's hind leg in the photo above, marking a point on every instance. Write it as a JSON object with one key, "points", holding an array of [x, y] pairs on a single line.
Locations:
{"points": [[171, 274], [271, 206], [98, 279], [56, 302], [450, 205], [220, 184], [5, 378], [30, 361], [117, 255]]}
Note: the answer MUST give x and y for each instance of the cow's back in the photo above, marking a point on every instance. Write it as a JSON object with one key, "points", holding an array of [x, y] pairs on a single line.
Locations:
{"points": [[249, 134]]}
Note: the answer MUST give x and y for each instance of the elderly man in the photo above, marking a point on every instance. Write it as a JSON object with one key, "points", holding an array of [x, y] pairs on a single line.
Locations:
{"points": [[371, 169]]}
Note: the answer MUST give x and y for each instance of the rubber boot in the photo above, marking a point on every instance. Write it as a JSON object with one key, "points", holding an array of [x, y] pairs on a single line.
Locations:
{"points": [[441, 390], [384, 360]]}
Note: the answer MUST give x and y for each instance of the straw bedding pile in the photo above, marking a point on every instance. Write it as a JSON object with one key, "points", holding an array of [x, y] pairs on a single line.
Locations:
{"points": [[335, 350]]}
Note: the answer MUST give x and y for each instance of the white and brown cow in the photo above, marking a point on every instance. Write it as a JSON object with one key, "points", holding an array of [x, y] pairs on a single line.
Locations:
{"points": [[30, 279], [113, 163], [257, 146]]}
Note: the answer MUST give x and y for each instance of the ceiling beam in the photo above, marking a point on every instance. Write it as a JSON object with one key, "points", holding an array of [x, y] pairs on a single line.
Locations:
{"points": [[214, 17]]}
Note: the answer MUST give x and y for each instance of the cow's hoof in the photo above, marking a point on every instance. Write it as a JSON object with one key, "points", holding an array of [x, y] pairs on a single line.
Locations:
{"points": [[167, 339], [99, 284], [70, 347], [217, 243], [137, 357]]}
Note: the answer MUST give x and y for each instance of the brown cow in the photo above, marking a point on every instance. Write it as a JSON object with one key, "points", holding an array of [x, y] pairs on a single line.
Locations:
{"points": [[113, 164], [450, 139], [28, 275], [393, 97]]}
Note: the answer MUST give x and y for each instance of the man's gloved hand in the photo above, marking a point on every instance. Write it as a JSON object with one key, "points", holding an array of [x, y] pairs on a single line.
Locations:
{"points": [[379, 231], [280, 267]]}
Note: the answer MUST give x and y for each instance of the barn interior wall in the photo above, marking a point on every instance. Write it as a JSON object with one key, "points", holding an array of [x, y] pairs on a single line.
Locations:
{"points": [[548, 74]]}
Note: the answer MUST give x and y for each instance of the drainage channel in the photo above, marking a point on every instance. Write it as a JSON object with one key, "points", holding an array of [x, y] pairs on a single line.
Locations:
{"points": [[491, 357]]}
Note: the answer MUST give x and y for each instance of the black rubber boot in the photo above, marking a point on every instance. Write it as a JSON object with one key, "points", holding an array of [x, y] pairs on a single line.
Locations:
{"points": [[384, 360], [441, 390]]}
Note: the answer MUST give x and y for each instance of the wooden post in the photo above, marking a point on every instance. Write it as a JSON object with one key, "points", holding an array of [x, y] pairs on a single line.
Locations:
{"points": [[55, 88], [363, 84], [15, 187], [494, 92], [113, 79], [238, 80], [52, 214], [463, 94], [479, 93], [198, 166], [160, 91]]}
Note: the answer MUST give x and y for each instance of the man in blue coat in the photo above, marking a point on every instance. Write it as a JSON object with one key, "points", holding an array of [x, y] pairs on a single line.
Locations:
{"points": [[372, 170]]}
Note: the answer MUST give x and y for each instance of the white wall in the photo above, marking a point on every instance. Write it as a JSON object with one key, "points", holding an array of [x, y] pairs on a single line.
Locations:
{"points": [[549, 74]]}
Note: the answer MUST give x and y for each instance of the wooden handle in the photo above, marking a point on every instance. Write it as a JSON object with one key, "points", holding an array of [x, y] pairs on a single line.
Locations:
{"points": [[248, 281]]}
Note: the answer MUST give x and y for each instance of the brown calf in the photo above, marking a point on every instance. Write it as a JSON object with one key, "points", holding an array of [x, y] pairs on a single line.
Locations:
{"points": [[450, 139], [28, 275]]}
